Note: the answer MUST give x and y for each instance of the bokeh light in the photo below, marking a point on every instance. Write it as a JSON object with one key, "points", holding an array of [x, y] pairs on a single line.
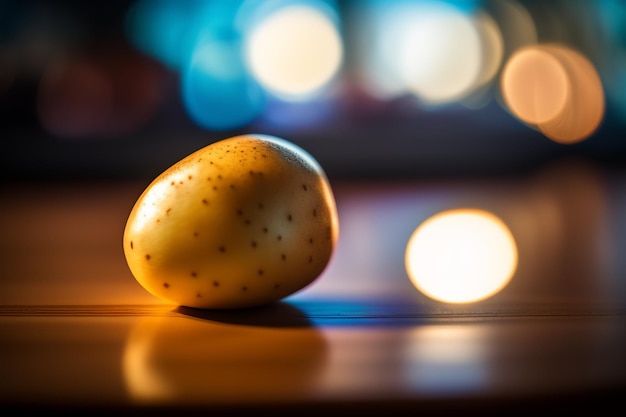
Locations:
{"points": [[610, 47], [230, 56], [461, 256], [491, 60], [556, 89], [492, 47], [440, 52], [294, 51], [376, 37], [165, 29], [303, 65], [218, 92], [535, 85], [515, 23], [440, 55]]}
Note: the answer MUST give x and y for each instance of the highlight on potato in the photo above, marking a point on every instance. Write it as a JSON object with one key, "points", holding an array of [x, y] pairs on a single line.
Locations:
{"points": [[243, 222]]}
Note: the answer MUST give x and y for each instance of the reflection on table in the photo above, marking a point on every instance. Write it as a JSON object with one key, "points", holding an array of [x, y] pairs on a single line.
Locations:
{"points": [[77, 330]]}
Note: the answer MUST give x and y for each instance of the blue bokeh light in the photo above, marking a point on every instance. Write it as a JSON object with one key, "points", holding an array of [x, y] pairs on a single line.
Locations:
{"points": [[217, 91], [159, 29], [203, 42]]}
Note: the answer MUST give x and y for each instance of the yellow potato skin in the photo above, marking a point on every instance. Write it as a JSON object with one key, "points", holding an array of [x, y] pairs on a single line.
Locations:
{"points": [[242, 222]]}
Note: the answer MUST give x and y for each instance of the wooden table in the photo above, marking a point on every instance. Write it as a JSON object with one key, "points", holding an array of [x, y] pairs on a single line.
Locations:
{"points": [[77, 333]]}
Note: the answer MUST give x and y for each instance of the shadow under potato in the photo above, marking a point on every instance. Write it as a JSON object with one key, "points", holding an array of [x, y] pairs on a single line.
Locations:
{"points": [[278, 314]]}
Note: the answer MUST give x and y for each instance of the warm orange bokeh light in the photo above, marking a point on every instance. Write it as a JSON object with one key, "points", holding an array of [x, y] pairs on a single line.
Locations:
{"points": [[585, 110], [556, 89], [535, 86]]}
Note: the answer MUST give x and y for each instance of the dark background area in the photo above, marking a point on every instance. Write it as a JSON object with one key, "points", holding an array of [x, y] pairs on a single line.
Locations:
{"points": [[362, 137]]}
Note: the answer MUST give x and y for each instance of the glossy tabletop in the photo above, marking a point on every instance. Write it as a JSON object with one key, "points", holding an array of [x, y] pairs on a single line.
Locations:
{"points": [[78, 333]]}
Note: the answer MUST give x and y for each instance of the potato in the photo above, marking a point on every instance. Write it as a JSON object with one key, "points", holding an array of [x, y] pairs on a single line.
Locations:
{"points": [[242, 222]]}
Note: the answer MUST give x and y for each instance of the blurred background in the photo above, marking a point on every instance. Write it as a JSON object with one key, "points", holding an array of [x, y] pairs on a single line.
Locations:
{"points": [[399, 88], [511, 113]]}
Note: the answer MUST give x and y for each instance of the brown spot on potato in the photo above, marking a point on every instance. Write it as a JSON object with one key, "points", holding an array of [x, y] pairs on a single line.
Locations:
{"points": [[131, 245], [147, 257], [194, 274], [166, 285]]}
